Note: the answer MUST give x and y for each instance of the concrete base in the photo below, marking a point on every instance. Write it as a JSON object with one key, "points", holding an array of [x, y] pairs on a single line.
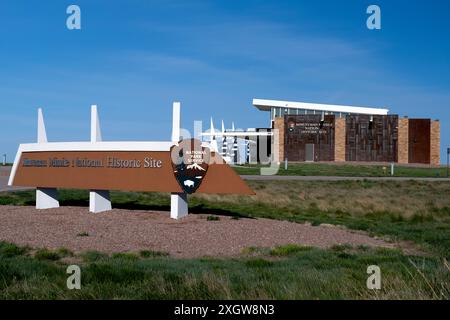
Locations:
{"points": [[99, 201], [46, 198], [178, 205]]}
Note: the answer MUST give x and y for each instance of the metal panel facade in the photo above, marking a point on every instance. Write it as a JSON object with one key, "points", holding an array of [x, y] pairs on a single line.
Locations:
{"points": [[374, 140]]}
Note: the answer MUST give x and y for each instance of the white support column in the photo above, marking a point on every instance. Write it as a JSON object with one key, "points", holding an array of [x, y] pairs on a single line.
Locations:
{"points": [[96, 134], [41, 132], [176, 122], [99, 200], [178, 205], [178, 201], [46, 198]]}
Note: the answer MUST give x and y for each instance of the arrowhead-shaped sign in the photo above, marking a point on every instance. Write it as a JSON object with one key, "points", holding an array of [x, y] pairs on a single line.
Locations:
{"points": [[190, 163]]}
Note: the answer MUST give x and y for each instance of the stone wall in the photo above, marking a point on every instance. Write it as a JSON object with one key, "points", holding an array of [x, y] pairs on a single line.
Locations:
{"points": [[435, 143], [279, 125], [403, 140], [339, 139]]}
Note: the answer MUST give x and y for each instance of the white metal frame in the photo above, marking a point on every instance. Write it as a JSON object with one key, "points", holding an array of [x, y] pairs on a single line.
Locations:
{"points": [[266, 105], [99, 199]]}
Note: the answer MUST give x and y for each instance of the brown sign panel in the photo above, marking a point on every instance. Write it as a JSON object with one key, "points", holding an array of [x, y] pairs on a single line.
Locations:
{"points": [[119, 170]]}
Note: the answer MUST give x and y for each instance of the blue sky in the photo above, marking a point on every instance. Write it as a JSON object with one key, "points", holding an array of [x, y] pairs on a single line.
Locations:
{"points": [[133, 58]]}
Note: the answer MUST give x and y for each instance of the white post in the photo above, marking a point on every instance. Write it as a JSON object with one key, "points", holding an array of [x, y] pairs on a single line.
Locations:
{"points": [[99, 200], [41, 132], [176, 122], [96, 134], [178, 205], [4, 159], [178, 201], [46, 198]]}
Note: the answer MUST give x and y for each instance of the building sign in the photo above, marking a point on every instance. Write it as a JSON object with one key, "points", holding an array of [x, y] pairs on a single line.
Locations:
{"points": [[309, 127], [194, 171]]}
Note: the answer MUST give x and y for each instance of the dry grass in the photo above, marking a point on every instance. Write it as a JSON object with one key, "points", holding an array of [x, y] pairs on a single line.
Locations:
{"points": [[417, 211], [405, 198]]}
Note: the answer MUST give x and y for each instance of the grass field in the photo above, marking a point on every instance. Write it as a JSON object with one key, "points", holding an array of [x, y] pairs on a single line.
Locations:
{"points": [[347, 170], [412, 211], [281, 273]]}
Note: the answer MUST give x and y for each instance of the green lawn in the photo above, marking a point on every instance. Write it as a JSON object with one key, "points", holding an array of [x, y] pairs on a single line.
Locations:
{"points": [[413, 211], [347, 170], [306, 273]]}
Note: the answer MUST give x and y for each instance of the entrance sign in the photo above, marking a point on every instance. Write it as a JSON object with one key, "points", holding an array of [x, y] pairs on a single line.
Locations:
{"points": [[127, 170], [182, 167]]}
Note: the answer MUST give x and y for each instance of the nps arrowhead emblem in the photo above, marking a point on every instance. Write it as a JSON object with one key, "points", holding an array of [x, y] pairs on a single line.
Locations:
{"points": [[190, 163]]}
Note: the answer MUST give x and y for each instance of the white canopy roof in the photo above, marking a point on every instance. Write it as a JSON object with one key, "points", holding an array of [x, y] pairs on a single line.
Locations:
{"points": [[266, 105]]}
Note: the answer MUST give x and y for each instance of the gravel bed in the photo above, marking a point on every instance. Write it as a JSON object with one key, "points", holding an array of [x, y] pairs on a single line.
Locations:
{"points": [[133, 230]]}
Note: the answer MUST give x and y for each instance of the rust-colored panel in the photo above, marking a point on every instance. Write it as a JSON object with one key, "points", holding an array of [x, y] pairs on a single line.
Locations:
{"points": [[419, 140], [371, 140], [157, 176]]}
